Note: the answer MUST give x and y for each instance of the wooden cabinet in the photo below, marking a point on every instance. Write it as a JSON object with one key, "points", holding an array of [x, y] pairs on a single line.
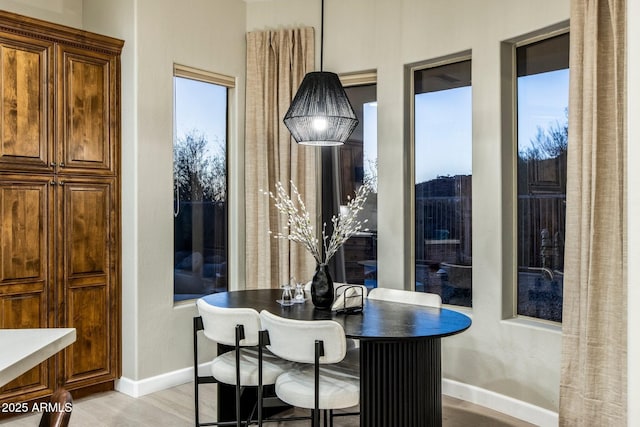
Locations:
{"points": [[60, 200]]}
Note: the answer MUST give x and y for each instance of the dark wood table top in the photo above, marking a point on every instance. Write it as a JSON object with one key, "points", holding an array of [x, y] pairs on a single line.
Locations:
{"points": [[380, 320]]}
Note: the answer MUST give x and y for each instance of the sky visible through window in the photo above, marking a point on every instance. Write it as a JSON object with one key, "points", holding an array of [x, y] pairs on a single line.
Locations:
{"points": [[443, 133], [443, 125], [542, 101], [203, 107], [370, 138]]}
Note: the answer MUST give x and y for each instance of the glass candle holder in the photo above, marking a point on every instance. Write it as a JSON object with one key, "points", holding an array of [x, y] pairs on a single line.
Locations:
{"points": [[299, 293], [287, 297]]}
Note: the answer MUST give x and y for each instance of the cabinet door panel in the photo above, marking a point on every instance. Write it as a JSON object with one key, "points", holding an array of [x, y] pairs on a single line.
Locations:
{"points": [[23, 244], [87, 112], [87, 249], [24, 310], [89, 232], [88, 356], [25, 207], [25, 275], [25, 105]]}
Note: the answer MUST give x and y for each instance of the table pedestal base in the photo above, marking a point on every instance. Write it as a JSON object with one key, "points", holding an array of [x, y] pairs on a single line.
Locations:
{"points": [[400, 383]]}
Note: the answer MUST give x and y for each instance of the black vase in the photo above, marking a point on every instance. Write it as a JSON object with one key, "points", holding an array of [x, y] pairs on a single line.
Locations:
{"points": [[322, 287]]}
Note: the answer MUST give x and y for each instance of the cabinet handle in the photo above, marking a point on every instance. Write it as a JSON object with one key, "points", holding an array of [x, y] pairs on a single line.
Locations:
{"points": [[53, 164], [61, 164], [52, 183], [61, 182]]}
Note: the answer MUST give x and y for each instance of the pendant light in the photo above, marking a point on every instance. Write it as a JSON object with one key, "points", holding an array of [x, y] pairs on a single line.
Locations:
{"points": [[320, 113]]}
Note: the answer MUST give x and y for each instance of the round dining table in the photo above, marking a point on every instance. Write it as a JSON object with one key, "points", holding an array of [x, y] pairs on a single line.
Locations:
{"points": [[400, 355]]}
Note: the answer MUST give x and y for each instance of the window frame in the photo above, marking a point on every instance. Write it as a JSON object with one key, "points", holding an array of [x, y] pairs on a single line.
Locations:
{"points": [[331, 156], [360, 78], [409, 129], [229, 82], [509, 131]]}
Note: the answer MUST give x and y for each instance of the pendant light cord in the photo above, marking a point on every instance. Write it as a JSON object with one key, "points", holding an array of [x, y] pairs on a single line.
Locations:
{"points": [[320, 113], [321, 33]]}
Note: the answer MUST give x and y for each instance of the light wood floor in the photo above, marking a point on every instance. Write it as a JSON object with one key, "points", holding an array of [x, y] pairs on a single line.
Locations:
{"points": [[174, 408]]}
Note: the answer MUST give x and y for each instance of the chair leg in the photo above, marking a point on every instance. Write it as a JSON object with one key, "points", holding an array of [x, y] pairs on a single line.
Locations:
{"points": [[260, 406], [238, 421], [261, 342], [197, 322], [315, 422], [319, 351], [239, 336], [238, 394]]}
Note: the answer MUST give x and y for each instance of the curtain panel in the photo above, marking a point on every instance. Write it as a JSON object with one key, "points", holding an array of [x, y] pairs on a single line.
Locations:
{"points": [[276, 64], [593, 385]]}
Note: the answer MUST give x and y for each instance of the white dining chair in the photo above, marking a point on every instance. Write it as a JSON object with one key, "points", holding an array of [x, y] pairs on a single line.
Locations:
{"points": [[406, 297], [326, 376], [339, 289], [247, 364]]}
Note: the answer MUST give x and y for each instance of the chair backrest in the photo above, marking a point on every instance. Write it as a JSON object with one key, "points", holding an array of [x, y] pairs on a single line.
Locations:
{"points": [[406, 297], [59, 412], [220, 323], [294, 340]]}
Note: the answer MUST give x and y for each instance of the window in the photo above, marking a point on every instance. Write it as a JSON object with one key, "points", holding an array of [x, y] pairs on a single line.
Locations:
{"points": [[542, 123], [357, 163], [200, 182], [442, 171]]}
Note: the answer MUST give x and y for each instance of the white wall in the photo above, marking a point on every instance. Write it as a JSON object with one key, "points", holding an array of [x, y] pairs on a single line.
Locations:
{"points": [[158, 33], [117, 19], [65, 12], [510, 357], [207, 35]]}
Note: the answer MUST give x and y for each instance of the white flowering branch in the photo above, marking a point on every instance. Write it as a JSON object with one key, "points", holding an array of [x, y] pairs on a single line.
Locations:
{"points": [[345, 224], [299, 228]]}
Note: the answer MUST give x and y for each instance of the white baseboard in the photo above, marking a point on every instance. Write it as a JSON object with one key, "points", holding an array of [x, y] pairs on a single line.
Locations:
{"points": [[139, 388], [479, 396], [501, 403]]}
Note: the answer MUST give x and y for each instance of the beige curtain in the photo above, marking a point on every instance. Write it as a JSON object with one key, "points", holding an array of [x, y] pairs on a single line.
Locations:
{"points": [[276, 64], [594, 346]]}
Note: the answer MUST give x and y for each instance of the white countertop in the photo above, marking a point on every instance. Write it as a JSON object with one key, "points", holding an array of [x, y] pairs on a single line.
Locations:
{"points": [[22, 349]]}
